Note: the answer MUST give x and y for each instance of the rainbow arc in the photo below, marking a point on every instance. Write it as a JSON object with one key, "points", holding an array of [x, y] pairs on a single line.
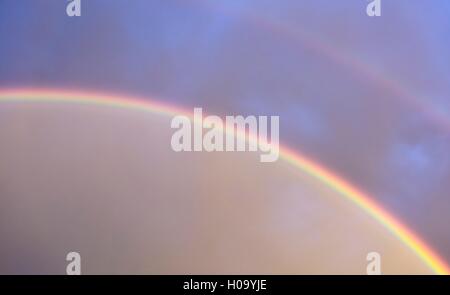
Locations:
{"points": [[350, 192]]}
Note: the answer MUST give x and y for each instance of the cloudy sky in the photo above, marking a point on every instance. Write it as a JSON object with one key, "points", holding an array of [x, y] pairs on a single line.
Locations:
{"points": [[367, 97]]}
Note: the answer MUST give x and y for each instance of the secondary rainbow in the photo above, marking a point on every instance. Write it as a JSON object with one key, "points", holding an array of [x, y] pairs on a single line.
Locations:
{"points": [[312, 168], [298, 36]]}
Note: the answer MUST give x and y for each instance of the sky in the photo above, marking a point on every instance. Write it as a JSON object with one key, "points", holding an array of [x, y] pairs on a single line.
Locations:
{"points": [[367, 97], [102, 181]]}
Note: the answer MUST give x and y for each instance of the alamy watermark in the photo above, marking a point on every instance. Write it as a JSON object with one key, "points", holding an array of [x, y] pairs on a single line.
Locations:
{"points": [[374, 265], [236, 133], [374, 8], [74, 266], [73, 8]]}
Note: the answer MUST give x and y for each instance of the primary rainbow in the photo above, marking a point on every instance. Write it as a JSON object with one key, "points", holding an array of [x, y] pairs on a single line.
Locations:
{"points": [[314, 169]]}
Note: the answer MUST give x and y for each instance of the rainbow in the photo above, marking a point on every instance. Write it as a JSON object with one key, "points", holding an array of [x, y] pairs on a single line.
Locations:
{"points": [[296, 159], [299, 37]]}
